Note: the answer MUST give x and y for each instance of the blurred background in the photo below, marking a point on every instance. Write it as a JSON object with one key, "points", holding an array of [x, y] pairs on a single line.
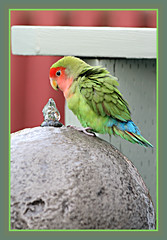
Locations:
{"points": [[30, 87]]}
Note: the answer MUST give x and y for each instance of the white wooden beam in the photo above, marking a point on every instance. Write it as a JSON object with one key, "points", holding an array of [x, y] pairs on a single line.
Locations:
{"points": [[84, 41]]}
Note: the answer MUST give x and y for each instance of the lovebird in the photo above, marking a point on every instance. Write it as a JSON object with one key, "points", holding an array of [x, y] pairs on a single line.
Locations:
{"points": [[91, 93]]}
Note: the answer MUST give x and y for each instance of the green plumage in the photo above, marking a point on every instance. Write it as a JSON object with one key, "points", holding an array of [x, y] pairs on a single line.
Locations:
{"points": [[99, 90], [95, 99]]}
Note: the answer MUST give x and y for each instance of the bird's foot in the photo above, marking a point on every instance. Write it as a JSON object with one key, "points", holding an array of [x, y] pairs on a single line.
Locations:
{"points": [[88, 131]]}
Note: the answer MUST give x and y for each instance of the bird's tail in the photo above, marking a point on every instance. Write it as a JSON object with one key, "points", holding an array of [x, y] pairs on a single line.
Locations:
{"points": [[131, 137]]}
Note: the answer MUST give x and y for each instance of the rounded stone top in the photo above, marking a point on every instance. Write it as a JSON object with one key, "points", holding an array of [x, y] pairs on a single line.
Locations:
{"points": [[64, 179]]}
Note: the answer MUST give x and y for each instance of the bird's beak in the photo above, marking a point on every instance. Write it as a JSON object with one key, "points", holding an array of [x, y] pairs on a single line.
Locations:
{"points": [[53, 83]]}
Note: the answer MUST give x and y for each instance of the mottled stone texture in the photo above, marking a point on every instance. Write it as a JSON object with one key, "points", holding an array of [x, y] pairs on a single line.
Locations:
{"points": [[64, 179]]}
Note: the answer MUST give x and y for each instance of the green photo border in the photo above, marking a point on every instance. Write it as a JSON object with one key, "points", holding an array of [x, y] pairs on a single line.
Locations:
{"points": [[157, 131]]}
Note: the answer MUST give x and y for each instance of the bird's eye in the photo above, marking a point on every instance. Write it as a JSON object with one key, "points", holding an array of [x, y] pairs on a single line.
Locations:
{"points": [[58, 73]]}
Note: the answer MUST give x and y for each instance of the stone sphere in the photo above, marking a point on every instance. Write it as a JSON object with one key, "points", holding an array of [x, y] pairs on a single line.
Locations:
{"points": [[64, 179]]}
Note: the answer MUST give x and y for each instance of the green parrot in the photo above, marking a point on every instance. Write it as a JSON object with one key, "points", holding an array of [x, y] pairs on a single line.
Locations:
{"points": [[92, 95]]}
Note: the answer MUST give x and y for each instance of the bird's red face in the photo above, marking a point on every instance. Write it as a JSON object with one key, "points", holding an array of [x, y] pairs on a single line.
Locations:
{"points": [[57, 77], [60, 79]]}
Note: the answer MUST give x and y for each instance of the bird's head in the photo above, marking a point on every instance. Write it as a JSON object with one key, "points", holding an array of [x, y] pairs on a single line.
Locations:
{"points": [[57, 76], [64, 71]]}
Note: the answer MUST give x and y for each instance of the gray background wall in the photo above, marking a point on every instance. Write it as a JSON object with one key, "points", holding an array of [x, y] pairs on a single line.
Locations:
{"points": [[137, 78]]}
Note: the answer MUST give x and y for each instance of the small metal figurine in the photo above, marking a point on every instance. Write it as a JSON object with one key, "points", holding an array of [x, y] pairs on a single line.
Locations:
{"points": [[51, 115]]}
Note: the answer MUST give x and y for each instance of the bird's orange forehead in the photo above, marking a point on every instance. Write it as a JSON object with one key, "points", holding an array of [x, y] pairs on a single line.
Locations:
{"points": [[54, 70]]}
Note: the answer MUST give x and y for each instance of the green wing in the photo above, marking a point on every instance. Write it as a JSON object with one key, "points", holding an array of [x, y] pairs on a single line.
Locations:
{"points": [[99, 89]]}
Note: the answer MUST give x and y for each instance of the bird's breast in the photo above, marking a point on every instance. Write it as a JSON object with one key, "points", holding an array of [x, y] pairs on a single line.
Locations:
{"points": [[73, 103]]}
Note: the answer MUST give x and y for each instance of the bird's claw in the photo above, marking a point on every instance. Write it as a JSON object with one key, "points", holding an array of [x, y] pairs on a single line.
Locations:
{"points": [[84, 130]]}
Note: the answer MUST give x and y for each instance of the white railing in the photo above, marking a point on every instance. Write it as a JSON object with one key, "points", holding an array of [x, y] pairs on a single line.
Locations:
{"points": [[84, 41]]}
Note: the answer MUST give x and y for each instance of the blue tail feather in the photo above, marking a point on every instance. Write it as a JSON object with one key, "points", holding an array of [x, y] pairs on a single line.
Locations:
{"points": [[127, 130], [124, 126]]}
